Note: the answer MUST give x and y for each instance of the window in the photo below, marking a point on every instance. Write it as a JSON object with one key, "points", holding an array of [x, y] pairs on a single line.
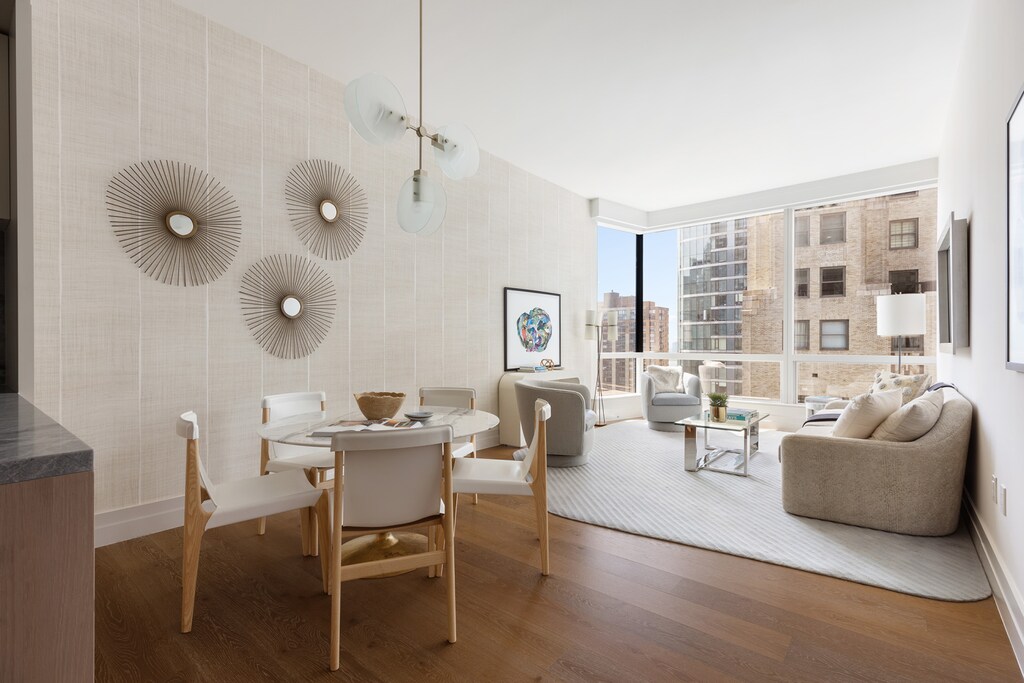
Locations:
{"points": [[802, 278], [801, 335], [833, 228], [833, 281], [904, 281], [835, 335], [802, 231], [616, 305], [912, 346], [903, 234]]}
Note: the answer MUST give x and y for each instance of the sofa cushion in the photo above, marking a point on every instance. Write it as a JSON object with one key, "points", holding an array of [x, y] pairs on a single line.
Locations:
{"points": [[589, 419], [912, 386], [913, 420], [674, 399], [865, 412], [667, 378]]}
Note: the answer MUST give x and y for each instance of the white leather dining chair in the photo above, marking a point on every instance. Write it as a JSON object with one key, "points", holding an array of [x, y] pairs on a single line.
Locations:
{"points": [[390, 481], [209, 505], [280, 457], [454, 397], [526, 477]]}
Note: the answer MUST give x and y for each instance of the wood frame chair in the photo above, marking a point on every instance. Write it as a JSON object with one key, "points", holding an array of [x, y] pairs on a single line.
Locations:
{"points": [[527, 477], [454, 397], [313, 461], [209, 505], [385, 482]]}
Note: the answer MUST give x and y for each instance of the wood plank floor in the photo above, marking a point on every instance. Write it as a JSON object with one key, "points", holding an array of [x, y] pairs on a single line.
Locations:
{"points": [[616, 607]]}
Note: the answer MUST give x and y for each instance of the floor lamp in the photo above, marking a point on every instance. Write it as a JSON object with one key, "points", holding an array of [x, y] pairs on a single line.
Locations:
{"points": [[900, 315], [593, 333]]}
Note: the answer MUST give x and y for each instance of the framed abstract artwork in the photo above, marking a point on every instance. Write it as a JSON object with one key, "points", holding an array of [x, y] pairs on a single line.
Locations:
{"points": [[533, 328], [1015, 237]]}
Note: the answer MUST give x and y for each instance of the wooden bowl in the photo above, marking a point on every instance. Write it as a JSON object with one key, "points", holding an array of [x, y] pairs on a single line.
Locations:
{"points": [[377, 405]]}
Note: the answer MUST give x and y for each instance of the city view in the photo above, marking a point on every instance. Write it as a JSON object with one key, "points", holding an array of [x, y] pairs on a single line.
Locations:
{"points": [[719, 288]]}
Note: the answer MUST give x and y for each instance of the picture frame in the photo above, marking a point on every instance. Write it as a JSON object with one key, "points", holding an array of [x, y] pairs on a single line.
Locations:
{"points": [[1015, 236], [533, 327]]}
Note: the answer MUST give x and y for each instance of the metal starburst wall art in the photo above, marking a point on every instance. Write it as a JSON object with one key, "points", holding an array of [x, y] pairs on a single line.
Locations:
{"points": [[328, 208], [176, 222], [288, 303]]}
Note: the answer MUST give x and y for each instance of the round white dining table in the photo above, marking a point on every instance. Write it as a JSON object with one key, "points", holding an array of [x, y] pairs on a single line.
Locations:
{"points": [[297, 429]]}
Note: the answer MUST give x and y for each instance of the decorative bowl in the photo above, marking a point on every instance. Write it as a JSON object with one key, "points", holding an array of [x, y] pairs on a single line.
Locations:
{"points": [[377, 405]]}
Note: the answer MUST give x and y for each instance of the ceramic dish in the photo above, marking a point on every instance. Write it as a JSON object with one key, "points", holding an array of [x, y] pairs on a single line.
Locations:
{"points": [[419, 415]]}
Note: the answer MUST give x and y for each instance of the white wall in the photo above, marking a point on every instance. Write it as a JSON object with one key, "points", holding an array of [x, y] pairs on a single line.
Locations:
{"points": [[118, 355], [972, 183]]}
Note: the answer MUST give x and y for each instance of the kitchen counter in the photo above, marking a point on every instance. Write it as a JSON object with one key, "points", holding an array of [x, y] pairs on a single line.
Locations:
{"points": [[33, 446]]}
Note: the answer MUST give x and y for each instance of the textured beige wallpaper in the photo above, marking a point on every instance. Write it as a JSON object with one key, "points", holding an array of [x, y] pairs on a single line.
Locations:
{"points": [[119, 356]]}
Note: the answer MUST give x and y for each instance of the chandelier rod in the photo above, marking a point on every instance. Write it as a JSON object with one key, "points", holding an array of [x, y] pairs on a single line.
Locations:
{"points": [[419, 138]]}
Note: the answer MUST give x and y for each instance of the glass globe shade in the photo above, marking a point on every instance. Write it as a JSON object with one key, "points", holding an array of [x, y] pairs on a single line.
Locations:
{"points": [[421, 205]]}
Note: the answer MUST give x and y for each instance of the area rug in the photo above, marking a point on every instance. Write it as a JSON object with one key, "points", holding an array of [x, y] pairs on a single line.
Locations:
{"points": [[635, 482]]}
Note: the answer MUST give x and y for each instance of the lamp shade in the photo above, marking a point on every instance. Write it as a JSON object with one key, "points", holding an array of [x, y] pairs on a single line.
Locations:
{"points": [[375, 109], [901, 314], [459, 157], [613, 326], [591, 325], [421, 205]]}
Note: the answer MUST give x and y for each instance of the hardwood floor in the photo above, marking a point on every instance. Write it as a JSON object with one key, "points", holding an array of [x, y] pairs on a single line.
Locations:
{"points": [[616, 607]]}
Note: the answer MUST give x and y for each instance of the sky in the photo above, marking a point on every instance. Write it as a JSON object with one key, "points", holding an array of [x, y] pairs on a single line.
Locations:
{"points": [[616, 268]]}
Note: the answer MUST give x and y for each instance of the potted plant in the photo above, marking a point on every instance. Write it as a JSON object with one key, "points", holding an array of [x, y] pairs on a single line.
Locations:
{"points": [[719, 406]]}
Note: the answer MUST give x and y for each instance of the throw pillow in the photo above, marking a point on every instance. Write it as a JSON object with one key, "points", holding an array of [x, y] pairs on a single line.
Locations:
{"points": [[667, 379], [861, 417], [912, 386], [913, 420]]}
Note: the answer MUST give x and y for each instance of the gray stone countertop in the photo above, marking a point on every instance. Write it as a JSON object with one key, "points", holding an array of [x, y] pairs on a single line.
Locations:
{"points": [[33, 446]]}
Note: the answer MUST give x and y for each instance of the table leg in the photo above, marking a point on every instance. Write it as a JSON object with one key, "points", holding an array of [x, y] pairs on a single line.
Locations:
{"points": [[690, 445]]}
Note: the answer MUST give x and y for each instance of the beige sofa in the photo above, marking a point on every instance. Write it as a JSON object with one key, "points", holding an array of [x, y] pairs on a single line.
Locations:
{"points": [[908, 488]]}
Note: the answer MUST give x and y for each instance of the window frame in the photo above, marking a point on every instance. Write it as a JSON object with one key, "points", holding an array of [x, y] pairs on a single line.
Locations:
{"points": [[821, 228], [806, 284], [796, 335], [802, 231], [822, 335], [822, 281], [916, 233]]}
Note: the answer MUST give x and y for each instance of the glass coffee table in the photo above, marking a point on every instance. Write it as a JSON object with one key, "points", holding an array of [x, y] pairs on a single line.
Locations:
{"points": [[739, 459]]}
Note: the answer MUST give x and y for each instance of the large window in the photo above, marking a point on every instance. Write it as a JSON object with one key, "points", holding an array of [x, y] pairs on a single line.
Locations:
{"points": [[718, 292], [903, 234], [835, 335], [833, 228], [833, 281], [616, 280]]}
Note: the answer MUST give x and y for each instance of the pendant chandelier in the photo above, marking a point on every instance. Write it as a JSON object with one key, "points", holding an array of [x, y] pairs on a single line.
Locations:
{"points": [[377, 112]]}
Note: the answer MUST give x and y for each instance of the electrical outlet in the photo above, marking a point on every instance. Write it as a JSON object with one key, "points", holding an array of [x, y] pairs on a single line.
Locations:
{"points": [[995, 489], [1002, 499]]}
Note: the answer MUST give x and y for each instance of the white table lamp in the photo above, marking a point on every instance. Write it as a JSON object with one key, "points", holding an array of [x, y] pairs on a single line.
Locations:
{"points": [[900, 315]]}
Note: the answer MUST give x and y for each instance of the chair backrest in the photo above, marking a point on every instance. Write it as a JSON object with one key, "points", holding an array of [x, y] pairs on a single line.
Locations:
{"points": [[535, 459], [453, 397], [569, 400], [391, 478], [278, 406], [188, 429]]}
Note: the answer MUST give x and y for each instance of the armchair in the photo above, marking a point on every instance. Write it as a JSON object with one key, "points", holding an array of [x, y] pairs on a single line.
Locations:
{"points": [[662, 410], [570, 431]]}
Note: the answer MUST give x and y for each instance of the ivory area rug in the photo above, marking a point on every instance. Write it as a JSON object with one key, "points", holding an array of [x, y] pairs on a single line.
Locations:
{"points": [[635, 482]]}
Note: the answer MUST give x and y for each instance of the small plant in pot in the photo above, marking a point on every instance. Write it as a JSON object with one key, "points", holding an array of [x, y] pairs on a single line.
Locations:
{"points": [[719, 406]]}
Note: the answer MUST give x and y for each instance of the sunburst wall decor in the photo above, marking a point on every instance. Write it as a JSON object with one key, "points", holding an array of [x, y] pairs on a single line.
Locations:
{"points": [[288, 303], [176, 222], [328, 208]]}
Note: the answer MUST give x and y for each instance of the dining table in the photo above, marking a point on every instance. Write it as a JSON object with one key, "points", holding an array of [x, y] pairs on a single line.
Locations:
{"points": [[298, 430]]}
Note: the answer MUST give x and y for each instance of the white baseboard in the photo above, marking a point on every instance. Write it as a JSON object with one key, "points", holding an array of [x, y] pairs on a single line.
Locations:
{"points": [[1004, 591], [139, 520]]}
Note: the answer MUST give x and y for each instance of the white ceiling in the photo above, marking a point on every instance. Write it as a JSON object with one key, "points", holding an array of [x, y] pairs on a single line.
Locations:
{"points": [[650, 103]]}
